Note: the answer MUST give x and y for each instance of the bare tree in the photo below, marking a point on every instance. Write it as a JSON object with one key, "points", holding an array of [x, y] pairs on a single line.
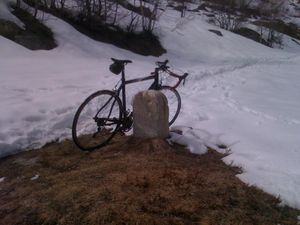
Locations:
{"points": [[183, 7], [227, 21], [36, 7], [52, 4], [97, 7], [85, 8], [148, 21], [243, 4], [270, 37], [271, 8], [134, 20], [62, 4], [18, 4]]}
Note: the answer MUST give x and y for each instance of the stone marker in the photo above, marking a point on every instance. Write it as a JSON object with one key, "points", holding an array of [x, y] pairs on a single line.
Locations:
{"points": [[150, 115]]}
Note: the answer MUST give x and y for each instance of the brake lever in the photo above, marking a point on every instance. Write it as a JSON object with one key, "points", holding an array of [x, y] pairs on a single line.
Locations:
{"points": [[185, 76]]}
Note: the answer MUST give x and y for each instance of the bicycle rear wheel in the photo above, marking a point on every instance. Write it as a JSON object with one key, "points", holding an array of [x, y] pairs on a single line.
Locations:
{"points": [[174, 102], [97, 120]]}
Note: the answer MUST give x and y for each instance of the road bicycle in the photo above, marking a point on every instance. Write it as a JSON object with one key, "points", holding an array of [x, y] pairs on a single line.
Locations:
{"points": [[104, 112]]}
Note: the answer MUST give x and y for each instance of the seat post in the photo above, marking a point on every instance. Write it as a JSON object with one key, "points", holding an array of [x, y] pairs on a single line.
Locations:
{"points": [[123, 89], [156, 81]]}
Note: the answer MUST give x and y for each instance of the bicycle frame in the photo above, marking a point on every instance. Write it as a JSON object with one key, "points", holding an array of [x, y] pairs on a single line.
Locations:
{"points": [[154, 86]]}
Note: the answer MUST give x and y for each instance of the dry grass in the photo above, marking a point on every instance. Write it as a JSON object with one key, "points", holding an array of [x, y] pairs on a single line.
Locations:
{"points": [[130, 182]]}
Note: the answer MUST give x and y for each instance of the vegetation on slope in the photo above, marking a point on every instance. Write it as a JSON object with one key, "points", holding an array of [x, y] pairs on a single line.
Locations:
{"points": [[35, 36], [104, 24]]}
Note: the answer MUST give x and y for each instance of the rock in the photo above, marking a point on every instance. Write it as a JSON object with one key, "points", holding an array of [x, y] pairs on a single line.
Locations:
{"points": [[217, 32], [251, 34], [150, 115]]}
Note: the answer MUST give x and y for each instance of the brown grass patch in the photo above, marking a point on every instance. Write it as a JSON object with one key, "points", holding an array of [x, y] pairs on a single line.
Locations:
{"points": [[130, 182]]}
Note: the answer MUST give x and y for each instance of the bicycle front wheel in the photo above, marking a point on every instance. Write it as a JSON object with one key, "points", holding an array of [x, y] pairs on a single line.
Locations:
{"points": [[174, 102], [97, 120]]}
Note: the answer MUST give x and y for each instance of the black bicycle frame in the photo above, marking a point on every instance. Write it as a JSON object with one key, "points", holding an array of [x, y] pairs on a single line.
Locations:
{"points": [[154, 85]]}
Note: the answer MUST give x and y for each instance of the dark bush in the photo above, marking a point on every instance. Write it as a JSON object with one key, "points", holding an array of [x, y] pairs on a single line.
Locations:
{"points": [[94, 26], [290, 29], [144, 43], [35, 36], [251, 34], [9, 29]]}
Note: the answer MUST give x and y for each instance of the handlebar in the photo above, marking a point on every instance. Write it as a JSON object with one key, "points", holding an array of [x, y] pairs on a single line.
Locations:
{"points": [[180, 77], [162, 66]]}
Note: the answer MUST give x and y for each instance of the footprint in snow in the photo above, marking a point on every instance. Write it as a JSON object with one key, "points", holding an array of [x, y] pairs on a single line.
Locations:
{"points": [[63, 110], [34, 118]]}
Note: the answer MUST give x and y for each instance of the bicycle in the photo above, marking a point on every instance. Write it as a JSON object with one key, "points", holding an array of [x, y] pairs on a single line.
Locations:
{"points": [[104, 113]]}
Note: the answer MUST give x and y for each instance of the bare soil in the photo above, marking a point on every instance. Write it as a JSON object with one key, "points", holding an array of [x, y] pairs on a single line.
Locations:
{"points": [[130, 181]]}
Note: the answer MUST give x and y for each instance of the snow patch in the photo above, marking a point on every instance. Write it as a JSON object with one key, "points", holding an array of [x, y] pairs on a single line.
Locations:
{"points": [[189, 140], [35, 177]]}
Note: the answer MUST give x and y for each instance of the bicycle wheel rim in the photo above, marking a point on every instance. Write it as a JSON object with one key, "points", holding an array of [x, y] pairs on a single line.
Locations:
{"points": [[174, 102], [86, 130]]}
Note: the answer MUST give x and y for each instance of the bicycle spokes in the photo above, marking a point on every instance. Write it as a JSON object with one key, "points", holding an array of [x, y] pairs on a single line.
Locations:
{"points": [[97, 120]]}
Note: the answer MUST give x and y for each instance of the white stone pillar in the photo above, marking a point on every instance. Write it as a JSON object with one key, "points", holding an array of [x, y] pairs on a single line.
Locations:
{"points": [[150, 115]]}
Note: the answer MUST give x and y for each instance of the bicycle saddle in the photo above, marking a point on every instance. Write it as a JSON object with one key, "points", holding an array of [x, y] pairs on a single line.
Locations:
{"points": [[121, 61], [118, 65]]}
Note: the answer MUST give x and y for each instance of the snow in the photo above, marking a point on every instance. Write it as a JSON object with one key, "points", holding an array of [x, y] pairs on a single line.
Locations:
{"points": [[189, 139], [35, 177], [257, 114], [239, 93], [6, 14]]}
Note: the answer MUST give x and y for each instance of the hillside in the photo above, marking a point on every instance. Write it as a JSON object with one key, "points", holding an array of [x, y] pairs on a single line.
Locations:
{"points": [[130, 181], [239, 93]]}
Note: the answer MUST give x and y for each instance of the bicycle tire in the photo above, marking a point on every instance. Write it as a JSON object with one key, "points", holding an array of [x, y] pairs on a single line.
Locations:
{"points": [[174, 102], [93, 133]]}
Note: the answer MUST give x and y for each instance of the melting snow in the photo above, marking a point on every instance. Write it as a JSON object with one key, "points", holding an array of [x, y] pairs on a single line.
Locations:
{"points": [[35, 177]]}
